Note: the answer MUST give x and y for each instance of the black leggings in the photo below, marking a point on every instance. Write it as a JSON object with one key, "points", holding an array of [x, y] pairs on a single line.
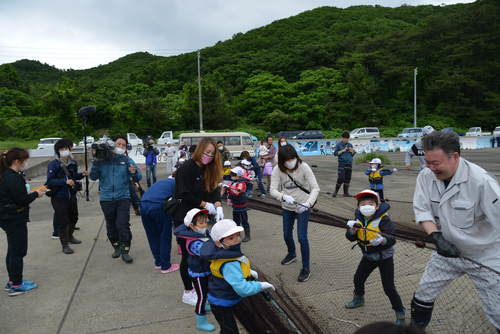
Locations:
{"points": [[386, 268], [186, 279], [201, 286], [17, 241], [225, 318]]}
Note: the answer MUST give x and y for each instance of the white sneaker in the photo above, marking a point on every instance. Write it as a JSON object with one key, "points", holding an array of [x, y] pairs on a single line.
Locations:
{"points": [[190, 298]]}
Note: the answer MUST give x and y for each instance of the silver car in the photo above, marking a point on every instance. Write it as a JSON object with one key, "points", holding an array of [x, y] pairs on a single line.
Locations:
{"points": [[47, 143]]}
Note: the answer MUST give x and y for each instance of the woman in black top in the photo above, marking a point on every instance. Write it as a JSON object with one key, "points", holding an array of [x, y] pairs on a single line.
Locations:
{"points": [[14, 214], [196, 186]]}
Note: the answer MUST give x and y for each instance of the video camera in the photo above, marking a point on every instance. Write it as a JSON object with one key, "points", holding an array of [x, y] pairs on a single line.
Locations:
{"points": [[103, 148], [146, 144]]}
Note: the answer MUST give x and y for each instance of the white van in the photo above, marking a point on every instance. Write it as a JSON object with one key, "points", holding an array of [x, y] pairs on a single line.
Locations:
{"points": [[365, 133], [236, 142]]}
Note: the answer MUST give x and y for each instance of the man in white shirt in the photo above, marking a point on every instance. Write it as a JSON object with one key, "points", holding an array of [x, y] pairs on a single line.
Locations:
{"points": [[170, 153]]}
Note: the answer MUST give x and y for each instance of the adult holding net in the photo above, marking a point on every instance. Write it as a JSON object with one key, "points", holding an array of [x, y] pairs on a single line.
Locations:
{"points": [[196, 186], [299, 191]]}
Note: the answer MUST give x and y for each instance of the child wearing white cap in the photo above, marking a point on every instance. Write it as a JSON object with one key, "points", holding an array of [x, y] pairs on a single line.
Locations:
{"points": [[237, 193], [378, 251], [231, 273], [247, 165], [375, 173], [194, 230]]}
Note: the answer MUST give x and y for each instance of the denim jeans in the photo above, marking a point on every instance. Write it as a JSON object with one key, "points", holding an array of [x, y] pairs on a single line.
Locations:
{"points": [[302, 224], [150, 169]]}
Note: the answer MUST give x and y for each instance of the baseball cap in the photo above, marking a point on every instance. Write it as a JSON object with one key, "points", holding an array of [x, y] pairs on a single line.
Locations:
{"points": [[375, 161], [227, 163], [367, 192], [224, 228], [428, 129], [238, 171], [190, 215], [168, 142], [129, 146]]}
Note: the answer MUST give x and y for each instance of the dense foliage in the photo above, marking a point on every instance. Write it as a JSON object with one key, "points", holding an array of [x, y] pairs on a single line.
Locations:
{"points": [[328, 68]]}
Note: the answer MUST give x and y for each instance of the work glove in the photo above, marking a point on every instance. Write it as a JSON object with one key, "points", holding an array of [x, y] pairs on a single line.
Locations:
{"points": [[254, 274], [288, 199], [373, 169], [211, 209], [394, 170], [220, 213], [266, 285], [378, 240], [351, 223], [299, 208], [443, 246]]}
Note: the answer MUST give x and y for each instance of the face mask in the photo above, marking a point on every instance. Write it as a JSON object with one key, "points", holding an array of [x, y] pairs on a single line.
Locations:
{"points": [[235, 248], [25, 166], [283, 144], [64, 154], [206, 159], [221, 148], [119, 150], [129, 152], [201, 230], [367, 210], [291, 165]]}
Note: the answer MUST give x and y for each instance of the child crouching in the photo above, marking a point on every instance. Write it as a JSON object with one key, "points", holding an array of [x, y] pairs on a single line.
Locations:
{"points": [[231, 274], [377, 250], [194, 230]]}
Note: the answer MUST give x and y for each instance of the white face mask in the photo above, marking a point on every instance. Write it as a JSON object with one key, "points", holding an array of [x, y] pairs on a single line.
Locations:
{"points": [[64, 154], [291, 165], [201, 230], [25, 166], [221, 148], [283, 144], [119, 150], [367, 210], [129, 152]]}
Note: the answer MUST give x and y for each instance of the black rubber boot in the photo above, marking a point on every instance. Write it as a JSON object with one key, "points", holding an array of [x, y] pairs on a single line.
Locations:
{"points": [[71, 239], [247, 235], [115, 242], [63, 238], [337, 187], [346, 191], [124, 249], [421, 313]]}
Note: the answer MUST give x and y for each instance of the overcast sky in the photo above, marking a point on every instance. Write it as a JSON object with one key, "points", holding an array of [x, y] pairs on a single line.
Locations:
{"points": [[86, 33]]}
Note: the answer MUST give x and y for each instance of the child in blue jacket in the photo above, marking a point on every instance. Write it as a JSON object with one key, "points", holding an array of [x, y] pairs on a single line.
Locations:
{"points": [[231, 274], [194, 230], [376, 173]]}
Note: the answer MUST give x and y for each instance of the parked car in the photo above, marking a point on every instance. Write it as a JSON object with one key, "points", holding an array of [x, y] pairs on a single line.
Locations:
{"points": [[310, 134], [496, 132], [365, 133], [47, 143], [476, 132], [90, 140], [410, 132], [133, 139], [449, 129], [165, 137]]}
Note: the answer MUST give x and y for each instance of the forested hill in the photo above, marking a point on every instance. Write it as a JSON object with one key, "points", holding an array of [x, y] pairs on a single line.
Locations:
{"points": [[327, 68]]}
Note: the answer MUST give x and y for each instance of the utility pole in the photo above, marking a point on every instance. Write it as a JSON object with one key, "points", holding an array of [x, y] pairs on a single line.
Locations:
{"points": [[199, 92], [414, 98]]}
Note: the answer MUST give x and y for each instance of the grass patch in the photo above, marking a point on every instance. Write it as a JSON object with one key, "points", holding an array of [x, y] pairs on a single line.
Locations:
{"points": [[5, 145], [372, 155]]}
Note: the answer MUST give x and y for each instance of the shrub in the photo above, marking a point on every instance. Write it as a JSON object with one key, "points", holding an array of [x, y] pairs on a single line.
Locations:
{"points": [[372, 155]]}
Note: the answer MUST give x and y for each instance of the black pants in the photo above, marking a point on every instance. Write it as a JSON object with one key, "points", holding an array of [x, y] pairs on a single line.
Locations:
{"points": [[183, 268], [225, 318], [117, 215], [201, 286], [241, 218], [344, 174], [66, 211], [386, 267], [381, 194], [17, 241]]}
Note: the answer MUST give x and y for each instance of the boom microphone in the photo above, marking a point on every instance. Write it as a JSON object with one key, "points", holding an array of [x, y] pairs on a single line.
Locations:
{"points": [[84, 111]]}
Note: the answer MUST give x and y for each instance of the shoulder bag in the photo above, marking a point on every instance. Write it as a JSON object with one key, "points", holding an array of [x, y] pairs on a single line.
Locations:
{"points": [[302, 188]]}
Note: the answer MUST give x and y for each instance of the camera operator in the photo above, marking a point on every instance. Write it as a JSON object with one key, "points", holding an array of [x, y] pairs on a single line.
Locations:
{"points": [[65, 188], [345, 152], [114, 175], [151, 155], [170, 153]]}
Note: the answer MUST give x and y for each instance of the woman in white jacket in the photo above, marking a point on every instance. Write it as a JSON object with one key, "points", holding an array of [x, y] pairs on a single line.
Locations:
{"points": [[299, 191]]}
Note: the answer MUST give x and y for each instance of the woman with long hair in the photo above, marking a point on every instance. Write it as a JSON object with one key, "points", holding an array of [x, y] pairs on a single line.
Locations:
{"points": [[14, 215], [197, 186], [299, 191]]}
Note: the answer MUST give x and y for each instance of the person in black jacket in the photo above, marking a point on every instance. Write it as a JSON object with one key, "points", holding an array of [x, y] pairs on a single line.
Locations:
{"points": [[64, 200], [14, 214], [197, 186]]}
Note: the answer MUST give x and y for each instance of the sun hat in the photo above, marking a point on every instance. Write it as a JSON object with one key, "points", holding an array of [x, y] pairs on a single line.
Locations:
{"points": [[224, 228], [188, 219], [375, 161]]}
